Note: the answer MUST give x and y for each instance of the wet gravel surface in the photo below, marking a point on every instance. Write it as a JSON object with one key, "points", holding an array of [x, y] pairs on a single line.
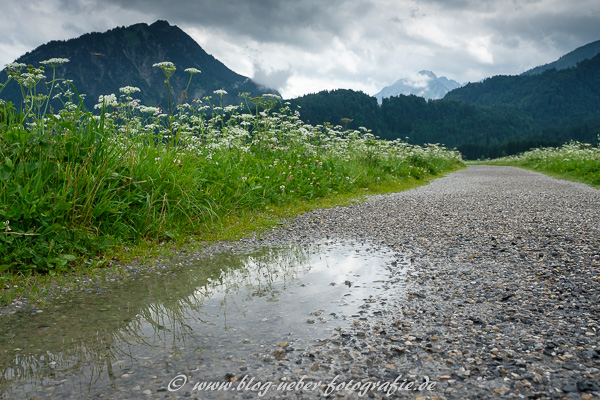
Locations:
{"points": [[503, 298]]}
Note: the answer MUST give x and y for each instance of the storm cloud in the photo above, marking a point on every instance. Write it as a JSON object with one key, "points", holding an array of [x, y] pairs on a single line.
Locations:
{"points": [[303, 46]]}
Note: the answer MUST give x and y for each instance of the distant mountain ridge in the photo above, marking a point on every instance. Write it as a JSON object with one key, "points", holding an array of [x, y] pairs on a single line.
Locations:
{"points": [[426, 85], [101, 63], [570, 59], [554, 97], [499, 116]]}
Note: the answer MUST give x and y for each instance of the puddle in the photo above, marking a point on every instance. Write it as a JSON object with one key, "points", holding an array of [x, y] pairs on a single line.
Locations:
{"points": [[205, 315]]}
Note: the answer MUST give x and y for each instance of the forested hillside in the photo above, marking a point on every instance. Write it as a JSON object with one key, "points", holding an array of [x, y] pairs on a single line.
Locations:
{"points": [[551, 98], [500, 116]]}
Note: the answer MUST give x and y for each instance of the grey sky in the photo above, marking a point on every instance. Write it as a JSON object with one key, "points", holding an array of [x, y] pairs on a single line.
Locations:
{"points": [[304, 46]]}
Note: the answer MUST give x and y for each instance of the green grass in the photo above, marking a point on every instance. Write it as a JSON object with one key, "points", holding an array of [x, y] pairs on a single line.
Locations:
{"points": [[573, 161], [78, 187]]}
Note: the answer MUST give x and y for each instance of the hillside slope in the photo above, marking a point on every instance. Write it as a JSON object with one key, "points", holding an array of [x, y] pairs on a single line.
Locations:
{"points": [[101, 63]]}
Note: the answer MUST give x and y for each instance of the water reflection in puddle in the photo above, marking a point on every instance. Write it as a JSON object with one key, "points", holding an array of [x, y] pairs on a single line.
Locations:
{"points": [[199, 316]]}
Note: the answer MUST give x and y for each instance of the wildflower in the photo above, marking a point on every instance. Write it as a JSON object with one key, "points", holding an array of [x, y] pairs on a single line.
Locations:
{"points": [[31, 78], [106, 101], [129, 90], [6, 227], [149, 110], [244, 178], [15, 67], [165, 65], [192, 70], [271, 95], [55, 62], [220, 92]]}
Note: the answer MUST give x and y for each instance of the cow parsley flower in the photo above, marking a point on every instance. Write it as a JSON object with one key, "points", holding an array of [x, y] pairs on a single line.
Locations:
{"points": [[31, 79], [165, 65], [220, 92], [106, 101], [15, 66], [192, 70], [129, 89], [55, 62]]}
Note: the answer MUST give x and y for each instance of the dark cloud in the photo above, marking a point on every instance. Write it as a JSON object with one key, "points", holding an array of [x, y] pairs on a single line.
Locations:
{"points": [[304, 46], [306, 22]]}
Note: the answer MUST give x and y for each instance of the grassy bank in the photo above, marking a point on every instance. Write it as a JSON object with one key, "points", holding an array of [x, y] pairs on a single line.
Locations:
{"points": [[78, 186], [574, 161]]}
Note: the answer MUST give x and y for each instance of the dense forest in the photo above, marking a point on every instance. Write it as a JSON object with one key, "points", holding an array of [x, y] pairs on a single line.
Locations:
{"points": [[500, 116]]}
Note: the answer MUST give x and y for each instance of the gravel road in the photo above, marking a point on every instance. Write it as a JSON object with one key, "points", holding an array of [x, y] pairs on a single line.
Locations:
{"points": [[503, 297]]}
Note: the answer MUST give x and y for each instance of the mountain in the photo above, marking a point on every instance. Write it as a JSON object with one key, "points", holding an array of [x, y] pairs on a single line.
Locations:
{"points": [[499, 116], [426, 85], [553, 98], [101, 63], [569, 60]]}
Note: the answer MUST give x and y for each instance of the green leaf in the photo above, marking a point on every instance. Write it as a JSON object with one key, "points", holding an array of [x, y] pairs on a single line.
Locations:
{"points": [[5, 172]]}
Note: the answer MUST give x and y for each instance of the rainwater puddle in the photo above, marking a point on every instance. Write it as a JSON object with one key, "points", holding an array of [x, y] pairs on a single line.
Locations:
{"points": [[206, 317]]}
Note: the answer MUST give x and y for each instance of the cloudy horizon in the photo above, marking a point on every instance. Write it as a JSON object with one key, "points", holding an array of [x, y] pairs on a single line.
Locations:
{"points": [[306, 46]]}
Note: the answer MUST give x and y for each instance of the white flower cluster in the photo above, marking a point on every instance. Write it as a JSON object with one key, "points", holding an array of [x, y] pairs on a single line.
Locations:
{"points": [[220, 92], [55, 62], [106, 101], [192, 70], [149, 110], [30, 79], [165, 65], [129, 89], [15, 66]]}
